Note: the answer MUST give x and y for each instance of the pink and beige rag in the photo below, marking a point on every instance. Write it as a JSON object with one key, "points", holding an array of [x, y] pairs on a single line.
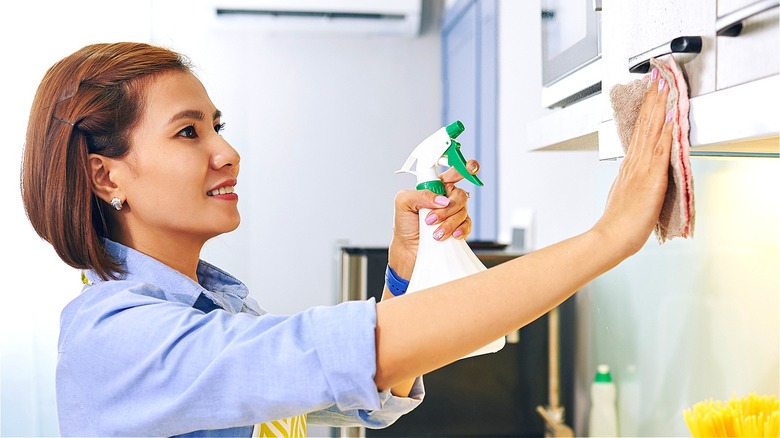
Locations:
{"points": [[677, 214]]}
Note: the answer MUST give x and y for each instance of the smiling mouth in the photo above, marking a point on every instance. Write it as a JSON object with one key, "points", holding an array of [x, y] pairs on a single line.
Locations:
{"points": [[221, 191]]}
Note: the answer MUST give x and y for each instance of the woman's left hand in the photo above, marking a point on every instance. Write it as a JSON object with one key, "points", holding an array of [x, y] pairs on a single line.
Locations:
{"points": [[448, 213]]}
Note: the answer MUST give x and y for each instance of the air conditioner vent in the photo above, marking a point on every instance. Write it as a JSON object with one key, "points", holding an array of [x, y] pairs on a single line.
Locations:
{"points": [[363, 17], [312, 14]]}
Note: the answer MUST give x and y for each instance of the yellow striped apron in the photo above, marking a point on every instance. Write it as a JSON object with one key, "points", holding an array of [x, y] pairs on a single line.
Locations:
{"points": [[293, 427]]}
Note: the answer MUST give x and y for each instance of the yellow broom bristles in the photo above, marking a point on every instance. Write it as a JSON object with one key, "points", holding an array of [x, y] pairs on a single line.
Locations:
{"points": [[751, 416]]}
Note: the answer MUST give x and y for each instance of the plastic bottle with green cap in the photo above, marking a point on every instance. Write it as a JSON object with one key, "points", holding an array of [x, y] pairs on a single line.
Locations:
{"points": [[441, 261], [603, 411]]}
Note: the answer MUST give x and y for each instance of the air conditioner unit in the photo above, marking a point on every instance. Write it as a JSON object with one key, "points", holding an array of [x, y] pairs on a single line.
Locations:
{"points": [[362, 17]]}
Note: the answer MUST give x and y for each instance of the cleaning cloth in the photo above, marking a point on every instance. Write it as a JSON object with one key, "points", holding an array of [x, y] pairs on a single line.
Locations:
{"points": [[677, 216]]}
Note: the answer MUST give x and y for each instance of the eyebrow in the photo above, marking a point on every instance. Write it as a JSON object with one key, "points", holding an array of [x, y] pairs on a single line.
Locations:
{"points": [[193, 114]]}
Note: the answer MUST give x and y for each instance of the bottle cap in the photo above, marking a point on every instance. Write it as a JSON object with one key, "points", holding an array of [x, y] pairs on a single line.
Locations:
{"points": [[602, 374], [454, 129]]}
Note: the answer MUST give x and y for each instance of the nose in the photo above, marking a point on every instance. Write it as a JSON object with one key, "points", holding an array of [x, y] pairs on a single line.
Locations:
{"points": [[225, 156]]}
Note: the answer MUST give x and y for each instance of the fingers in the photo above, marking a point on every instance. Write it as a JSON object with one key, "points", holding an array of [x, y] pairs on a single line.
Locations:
{"points": [[646, 109], [458, 226], [451, 175], [658, 115], [448, 216], [652, 115], [451, 219], [448, 213], [663, 147]]}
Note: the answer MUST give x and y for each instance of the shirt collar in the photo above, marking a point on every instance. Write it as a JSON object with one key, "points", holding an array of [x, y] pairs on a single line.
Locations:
{"points": [[221, 287]]}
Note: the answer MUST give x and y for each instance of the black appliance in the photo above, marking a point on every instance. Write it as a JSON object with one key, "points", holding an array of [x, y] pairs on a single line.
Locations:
{"points": [[493, 395]]}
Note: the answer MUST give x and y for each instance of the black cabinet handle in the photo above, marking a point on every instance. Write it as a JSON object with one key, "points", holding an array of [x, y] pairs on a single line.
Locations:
{"points": [[731, 24], [684, 44]]}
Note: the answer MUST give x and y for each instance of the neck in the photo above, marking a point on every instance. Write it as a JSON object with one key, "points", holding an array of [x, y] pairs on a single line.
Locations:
{"points": [[180, 254]]}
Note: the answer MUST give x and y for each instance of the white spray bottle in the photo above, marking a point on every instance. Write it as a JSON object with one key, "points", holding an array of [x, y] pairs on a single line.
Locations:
{"points": [[439, 262]]}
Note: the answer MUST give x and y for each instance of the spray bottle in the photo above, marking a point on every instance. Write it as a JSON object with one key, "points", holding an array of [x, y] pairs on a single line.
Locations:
{"points": [[442, 261]]}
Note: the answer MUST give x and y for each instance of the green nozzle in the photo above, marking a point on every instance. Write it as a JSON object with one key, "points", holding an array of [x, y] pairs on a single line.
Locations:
{"points": [[454, 129]]}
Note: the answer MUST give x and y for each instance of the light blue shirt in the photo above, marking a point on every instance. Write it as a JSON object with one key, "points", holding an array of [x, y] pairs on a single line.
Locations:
{"points": [[136, 359]]}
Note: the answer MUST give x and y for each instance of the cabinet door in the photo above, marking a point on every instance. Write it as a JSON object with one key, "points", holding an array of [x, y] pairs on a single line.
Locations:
{"points": [[755, 52], [469, 51], [631, 28]]}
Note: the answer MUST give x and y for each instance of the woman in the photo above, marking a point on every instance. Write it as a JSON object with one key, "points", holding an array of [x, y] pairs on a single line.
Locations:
{"points": [[126, 175]]}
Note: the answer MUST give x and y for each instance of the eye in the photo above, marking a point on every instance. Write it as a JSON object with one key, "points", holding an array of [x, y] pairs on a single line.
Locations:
{"points": [[188, 132], [219, 127]]}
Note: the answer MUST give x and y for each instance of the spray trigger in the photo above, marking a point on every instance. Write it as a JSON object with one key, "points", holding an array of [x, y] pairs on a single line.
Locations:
{"points": [[431, 153], [456, 160]]}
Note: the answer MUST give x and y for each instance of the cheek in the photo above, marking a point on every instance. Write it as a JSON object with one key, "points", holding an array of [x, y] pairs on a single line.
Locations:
{"points": [[174, 178]]}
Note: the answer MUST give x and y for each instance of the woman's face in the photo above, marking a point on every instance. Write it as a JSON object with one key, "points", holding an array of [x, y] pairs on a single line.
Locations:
{"points": [[180, 172]]}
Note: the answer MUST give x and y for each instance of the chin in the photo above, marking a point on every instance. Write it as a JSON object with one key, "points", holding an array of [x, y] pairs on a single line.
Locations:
{"points": [[220, 225], [233, 228], [235, 224]]}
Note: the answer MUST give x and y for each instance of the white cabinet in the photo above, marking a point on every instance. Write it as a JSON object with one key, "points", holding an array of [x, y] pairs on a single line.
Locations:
{"points": [[749, 61], [632, 28], [753, 43]]}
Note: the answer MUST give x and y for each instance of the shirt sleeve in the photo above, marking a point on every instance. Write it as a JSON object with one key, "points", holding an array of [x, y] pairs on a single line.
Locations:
{"points": [[131, 364], [392, 408]]}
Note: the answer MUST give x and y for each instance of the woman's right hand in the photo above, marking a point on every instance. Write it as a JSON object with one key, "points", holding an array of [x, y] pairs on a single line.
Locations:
{"points": [[637, 194]]}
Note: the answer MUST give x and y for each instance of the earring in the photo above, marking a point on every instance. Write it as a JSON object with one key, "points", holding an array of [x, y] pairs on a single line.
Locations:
{"points": [[116, 203]]}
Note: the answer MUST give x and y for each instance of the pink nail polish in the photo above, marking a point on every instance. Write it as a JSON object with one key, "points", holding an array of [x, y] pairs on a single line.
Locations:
{"points": [[438, 234], [661, 84], [669, 115], [431, 219], [457, 233], [442, 200], [654, 74]]}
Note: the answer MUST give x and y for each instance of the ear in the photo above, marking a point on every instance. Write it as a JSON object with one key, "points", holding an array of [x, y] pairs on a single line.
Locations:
{"points": [[100, 168]]}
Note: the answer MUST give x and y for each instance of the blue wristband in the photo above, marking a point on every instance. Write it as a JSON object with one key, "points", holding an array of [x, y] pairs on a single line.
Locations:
{"points": [[395, 284]]}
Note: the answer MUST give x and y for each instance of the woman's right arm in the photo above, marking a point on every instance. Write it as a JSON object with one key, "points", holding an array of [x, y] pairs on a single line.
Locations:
{"points": [[426, 330]]}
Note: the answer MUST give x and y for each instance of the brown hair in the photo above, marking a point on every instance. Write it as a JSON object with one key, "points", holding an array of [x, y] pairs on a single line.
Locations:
{"points": [[86, 103]]}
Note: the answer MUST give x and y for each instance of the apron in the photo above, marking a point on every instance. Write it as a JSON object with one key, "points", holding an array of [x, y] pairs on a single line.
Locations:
{"points": [[293, 427]]}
